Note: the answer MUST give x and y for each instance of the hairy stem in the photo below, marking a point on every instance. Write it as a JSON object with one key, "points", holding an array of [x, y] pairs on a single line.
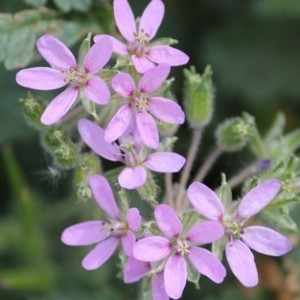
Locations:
{"points": [[169, 189], [242, 175]]}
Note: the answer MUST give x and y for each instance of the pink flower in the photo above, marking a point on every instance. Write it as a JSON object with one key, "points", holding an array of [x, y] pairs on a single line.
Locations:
{"points": [[177, 246], [142, 106], [65, 71], [144, 56], [240, 237], [105, 234], [135, 157]]}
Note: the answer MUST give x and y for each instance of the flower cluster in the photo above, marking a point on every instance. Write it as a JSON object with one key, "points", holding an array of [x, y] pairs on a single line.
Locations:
{"points": [[166, 251]]}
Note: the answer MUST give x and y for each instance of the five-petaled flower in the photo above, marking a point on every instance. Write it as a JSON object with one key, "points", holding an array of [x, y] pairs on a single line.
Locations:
{"points": [[130, 152], [65, 71], [106, 234], [144, 56], [241, 237], [142, 106], [177, 246]]}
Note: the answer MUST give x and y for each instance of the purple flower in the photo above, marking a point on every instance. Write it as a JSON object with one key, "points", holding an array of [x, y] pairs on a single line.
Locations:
{"points": [[136, 158], [177, 246], [142, 106], [65, 71], [105, 234], [142, 53], [241, 237]]}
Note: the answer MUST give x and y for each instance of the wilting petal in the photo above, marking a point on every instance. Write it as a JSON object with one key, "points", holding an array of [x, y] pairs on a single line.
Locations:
{"points": [[205, 232], [205, 201], [132, 177], [118, 124], [175, 276], [123, 84], [241, 262], [259, 197], [55, 52], [142, 64], [97, 91], [152, 18], [59, 106], [128, 241], [166, 162], [98, 55], [93, 136], [133, 219], [207, 264], [153, 248], [125, 19], [118, 46], [147, 129], [100, 254], [166, 110], [104, 196], [154, 78], [265, 240], [85, 233], [158, 287], [167, 55], [167, 220], [134, 270], [41, 78]]}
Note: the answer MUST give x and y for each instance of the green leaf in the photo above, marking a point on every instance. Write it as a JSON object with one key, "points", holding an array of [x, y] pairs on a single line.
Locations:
{"points": [[35, 3], [68, 5]]}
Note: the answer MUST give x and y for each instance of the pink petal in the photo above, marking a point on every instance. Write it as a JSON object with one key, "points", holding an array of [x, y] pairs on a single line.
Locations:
{"points": [[265, 240], [125, 19], [175, 276], [133, 219], [241, 262], [142, 64], [100, 254], [207, 264], [166, 110], [55, 52], [152, 249], [82, 234], [205, 232], [205, 201], [259, 197], [118, 46], [132, 177], [147, 129], [118, 124], [167, 220], [104, 196], [134, 270], [165, 162], [123, 84], [128, 241], [41, 78], [158, 287], [154, 78], [59, 106], [97, 91], [98, 55], [93, 136], [167, 55], [152, 18]]}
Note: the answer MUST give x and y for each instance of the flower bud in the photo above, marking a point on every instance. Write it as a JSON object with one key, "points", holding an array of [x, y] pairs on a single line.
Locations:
{"points": [[66, 155], [148, 191], [54, 137], [198, 97]]}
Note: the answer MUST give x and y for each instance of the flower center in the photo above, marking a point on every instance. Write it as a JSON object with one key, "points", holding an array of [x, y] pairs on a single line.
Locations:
{"points": [[74, 76], [232, 229], [140, 43], [182, 247], [115, 228], [140, 101]]}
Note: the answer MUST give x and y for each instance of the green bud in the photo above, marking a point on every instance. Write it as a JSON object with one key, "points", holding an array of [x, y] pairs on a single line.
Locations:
{"points": [[233, 134], [192, 274], [198, 97], [224, 192], [148, 191], [54, 137], [66, 155], [83, 49], [33, 110]]}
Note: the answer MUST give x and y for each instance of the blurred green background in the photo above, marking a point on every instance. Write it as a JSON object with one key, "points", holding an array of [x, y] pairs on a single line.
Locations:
{"points": [[253, 47]]}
